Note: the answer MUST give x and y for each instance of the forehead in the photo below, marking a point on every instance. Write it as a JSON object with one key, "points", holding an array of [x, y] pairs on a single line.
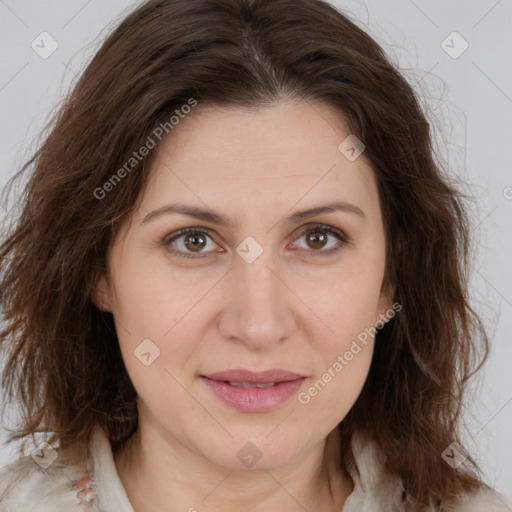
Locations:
{"points": [[251, 160]]}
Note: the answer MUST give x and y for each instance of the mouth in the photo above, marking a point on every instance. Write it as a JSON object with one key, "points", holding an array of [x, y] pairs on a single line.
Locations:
{"points": [[254, 391]]}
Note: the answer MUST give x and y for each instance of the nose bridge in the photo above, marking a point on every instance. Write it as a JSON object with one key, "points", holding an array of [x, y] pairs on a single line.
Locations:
{"points": [[258, 284], [259, 311]]}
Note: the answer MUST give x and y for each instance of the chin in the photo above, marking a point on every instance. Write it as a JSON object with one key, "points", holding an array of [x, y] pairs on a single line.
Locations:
{"points": [[254, 453]]}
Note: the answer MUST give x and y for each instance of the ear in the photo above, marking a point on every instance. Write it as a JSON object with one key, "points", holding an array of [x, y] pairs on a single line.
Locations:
{"points": [[101, 294], [386, 310]]}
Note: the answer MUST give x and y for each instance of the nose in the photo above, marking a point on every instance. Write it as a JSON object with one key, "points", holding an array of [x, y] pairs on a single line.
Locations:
{"points": [[258, 307]]}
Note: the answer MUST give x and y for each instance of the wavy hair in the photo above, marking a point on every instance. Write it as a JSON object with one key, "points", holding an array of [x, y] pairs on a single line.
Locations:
{"points": [[62, 358]]}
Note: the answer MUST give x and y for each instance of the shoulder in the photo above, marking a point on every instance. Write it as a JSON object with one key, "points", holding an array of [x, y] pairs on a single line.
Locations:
{"points": [[27, 485], [375, 489]]}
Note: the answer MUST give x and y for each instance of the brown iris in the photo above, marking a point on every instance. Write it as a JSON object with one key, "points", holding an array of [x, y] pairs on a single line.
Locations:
{"points": [[193, 241], [316, 239]]}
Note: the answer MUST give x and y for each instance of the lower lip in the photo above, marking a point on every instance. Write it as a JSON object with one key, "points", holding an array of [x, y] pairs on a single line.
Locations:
{"points": [[254, 399]]}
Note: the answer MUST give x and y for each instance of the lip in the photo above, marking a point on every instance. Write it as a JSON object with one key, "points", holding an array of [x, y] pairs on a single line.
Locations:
{"points": [[241, 375], [254, 399]]}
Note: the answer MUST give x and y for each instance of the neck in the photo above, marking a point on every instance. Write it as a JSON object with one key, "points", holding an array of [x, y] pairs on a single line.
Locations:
{"points": [[155, 477]]}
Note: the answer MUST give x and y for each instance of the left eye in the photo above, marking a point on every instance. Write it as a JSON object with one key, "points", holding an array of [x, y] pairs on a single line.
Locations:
{"points": [[317, 237], [192, 241]]}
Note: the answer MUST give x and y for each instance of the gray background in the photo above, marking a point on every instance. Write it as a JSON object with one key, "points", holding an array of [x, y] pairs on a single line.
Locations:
{"points": [[468, 99]]}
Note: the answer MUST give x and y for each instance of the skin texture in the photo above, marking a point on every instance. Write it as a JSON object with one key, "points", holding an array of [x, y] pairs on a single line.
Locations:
{"points": [[288, 309]]}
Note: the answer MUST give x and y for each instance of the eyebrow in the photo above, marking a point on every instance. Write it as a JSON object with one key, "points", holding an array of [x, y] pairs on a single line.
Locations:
{"points": [[220, 219]]}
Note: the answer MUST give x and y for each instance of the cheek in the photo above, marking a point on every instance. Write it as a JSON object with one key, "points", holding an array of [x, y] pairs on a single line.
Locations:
{"points": [[342, 343], [151, 298], [155, 338], [339, 380], [158, 372], [346, 302]]}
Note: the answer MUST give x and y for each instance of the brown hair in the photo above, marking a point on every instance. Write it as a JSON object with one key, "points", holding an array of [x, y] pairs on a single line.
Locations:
{"points": [[64, 363]]}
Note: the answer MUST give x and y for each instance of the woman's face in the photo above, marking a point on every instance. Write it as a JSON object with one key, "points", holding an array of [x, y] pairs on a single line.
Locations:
{"points": [[251, 289]]}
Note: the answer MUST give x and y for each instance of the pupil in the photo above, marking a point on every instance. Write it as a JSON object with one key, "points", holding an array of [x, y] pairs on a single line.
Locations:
{"points": [[317, 238], [192, 239]]}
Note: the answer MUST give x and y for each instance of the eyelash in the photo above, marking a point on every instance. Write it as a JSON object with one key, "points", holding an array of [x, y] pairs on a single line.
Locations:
{"points": [[168, 239]]}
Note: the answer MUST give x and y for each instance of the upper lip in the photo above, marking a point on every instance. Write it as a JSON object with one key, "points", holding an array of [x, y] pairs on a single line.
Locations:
{"points": [[241, 375]]}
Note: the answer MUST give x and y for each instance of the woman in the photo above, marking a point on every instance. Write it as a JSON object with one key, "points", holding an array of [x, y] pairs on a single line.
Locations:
{"points": [[238, 279]]}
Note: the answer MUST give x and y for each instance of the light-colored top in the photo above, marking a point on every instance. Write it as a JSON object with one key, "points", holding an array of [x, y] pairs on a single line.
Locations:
{"points": [[26, 486]]}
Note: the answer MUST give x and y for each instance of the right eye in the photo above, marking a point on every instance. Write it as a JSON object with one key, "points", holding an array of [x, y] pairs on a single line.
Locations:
{"points": [[190, 243]]}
